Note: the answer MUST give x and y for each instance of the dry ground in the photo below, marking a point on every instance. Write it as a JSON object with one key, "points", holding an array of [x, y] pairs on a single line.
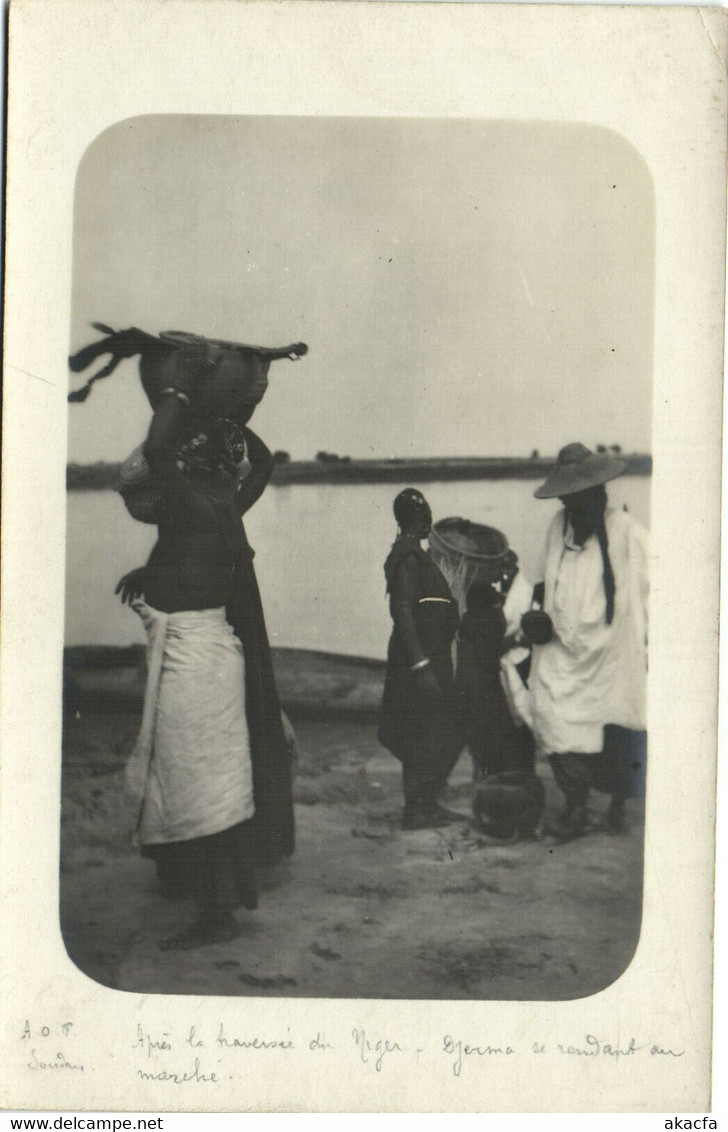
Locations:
{"points": [[362, 909]]}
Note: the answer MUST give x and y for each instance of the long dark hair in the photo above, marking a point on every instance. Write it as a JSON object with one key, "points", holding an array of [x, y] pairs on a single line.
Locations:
{"points": [[610, 586], [588, 519]]}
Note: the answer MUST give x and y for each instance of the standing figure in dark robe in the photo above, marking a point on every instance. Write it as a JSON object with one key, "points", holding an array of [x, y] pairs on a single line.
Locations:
{"points": [[211, 766], [495, 743], [508, 799], [421, 722]]}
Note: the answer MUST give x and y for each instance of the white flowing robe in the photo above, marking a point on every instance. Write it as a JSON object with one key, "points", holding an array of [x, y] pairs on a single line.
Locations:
{"points": [[518, 602], [590, 673], [190, 768]]}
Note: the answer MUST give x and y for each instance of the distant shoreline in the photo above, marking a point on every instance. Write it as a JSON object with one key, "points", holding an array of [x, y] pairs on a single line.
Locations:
{"points": [[102, 477]]}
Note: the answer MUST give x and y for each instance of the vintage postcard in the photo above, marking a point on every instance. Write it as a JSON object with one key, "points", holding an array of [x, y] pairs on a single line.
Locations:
{"points": [[361, 539]]}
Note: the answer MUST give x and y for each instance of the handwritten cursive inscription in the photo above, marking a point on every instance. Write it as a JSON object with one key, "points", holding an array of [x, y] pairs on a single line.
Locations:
{"points": [[251, 1043], [596, 1047], [177, 1078], [146, 1042], [378, 1049], [60, 1062], [459, 1050]]}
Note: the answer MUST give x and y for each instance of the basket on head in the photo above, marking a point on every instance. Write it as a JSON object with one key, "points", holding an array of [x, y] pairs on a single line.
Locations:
{"points": [[233, 376], [467, 552]]}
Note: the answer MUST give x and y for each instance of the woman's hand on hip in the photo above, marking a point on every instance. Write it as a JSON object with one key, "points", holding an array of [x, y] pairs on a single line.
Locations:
{"points": [[427, 684]]}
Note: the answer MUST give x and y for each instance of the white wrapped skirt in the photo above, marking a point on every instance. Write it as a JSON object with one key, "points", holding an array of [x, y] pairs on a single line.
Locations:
{"points": [[190, 770]]}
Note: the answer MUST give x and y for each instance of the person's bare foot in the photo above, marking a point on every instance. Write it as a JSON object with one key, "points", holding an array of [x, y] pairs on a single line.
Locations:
{"points": [[431, 817], [201, 934], [573, 824]]}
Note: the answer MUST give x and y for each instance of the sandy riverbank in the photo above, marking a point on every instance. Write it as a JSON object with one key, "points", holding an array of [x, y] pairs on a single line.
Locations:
{"points": [[362, 909]]}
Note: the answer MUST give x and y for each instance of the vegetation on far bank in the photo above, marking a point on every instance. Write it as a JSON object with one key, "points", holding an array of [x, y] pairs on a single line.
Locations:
{"points": [[337, 469]]}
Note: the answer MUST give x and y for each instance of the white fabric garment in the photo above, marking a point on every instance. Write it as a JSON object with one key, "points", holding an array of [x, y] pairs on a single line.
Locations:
{"points": [[591, 673], [518, 602], [517, 694], [190, 767]]}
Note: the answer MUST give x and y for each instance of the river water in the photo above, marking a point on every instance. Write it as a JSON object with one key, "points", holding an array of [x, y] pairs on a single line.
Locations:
{"points": [[319, 555]]}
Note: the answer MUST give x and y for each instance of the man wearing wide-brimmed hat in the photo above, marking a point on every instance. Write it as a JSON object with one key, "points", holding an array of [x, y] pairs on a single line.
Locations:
{"points": [[589, 669]]}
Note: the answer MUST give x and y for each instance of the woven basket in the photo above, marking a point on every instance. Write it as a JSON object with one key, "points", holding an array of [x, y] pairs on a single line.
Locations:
{"points": [[467, 552]]}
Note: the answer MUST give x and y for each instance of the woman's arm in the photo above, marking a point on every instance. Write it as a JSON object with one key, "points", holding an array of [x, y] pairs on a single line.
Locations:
{"points": [[255, 483], [404, 623], [165, 433], [181, 375], [160, 449]]}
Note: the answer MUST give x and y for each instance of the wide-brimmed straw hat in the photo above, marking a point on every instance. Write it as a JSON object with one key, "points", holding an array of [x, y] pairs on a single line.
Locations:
{"points": [[578, 468]]}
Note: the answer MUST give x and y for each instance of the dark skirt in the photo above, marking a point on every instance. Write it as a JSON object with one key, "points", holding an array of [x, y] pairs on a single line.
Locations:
{"points": [[269, 751], [495, 743], [619, 769], [627, 751], [425, 734], [217, 871]]}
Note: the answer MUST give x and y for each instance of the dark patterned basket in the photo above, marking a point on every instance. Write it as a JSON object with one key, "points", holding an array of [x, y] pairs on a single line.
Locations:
{"points": [[467, 552]]}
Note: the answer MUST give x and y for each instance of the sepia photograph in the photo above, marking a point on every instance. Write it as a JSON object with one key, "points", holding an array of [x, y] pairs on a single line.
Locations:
{"points": [[361, 549], [356, 648]]}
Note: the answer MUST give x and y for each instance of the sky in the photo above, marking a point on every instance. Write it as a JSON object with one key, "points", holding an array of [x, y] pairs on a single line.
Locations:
{"points": [[464, 287]]}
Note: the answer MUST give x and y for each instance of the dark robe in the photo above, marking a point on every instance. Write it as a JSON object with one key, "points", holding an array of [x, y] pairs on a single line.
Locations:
{"points": [[270, 755], [496, 744], [425, 734], [203, 560]]}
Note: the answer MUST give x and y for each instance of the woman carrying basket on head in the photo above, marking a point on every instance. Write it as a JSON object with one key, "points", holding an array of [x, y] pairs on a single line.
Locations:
{"points": [[192, 764], [421, 721], [211, 769]]}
